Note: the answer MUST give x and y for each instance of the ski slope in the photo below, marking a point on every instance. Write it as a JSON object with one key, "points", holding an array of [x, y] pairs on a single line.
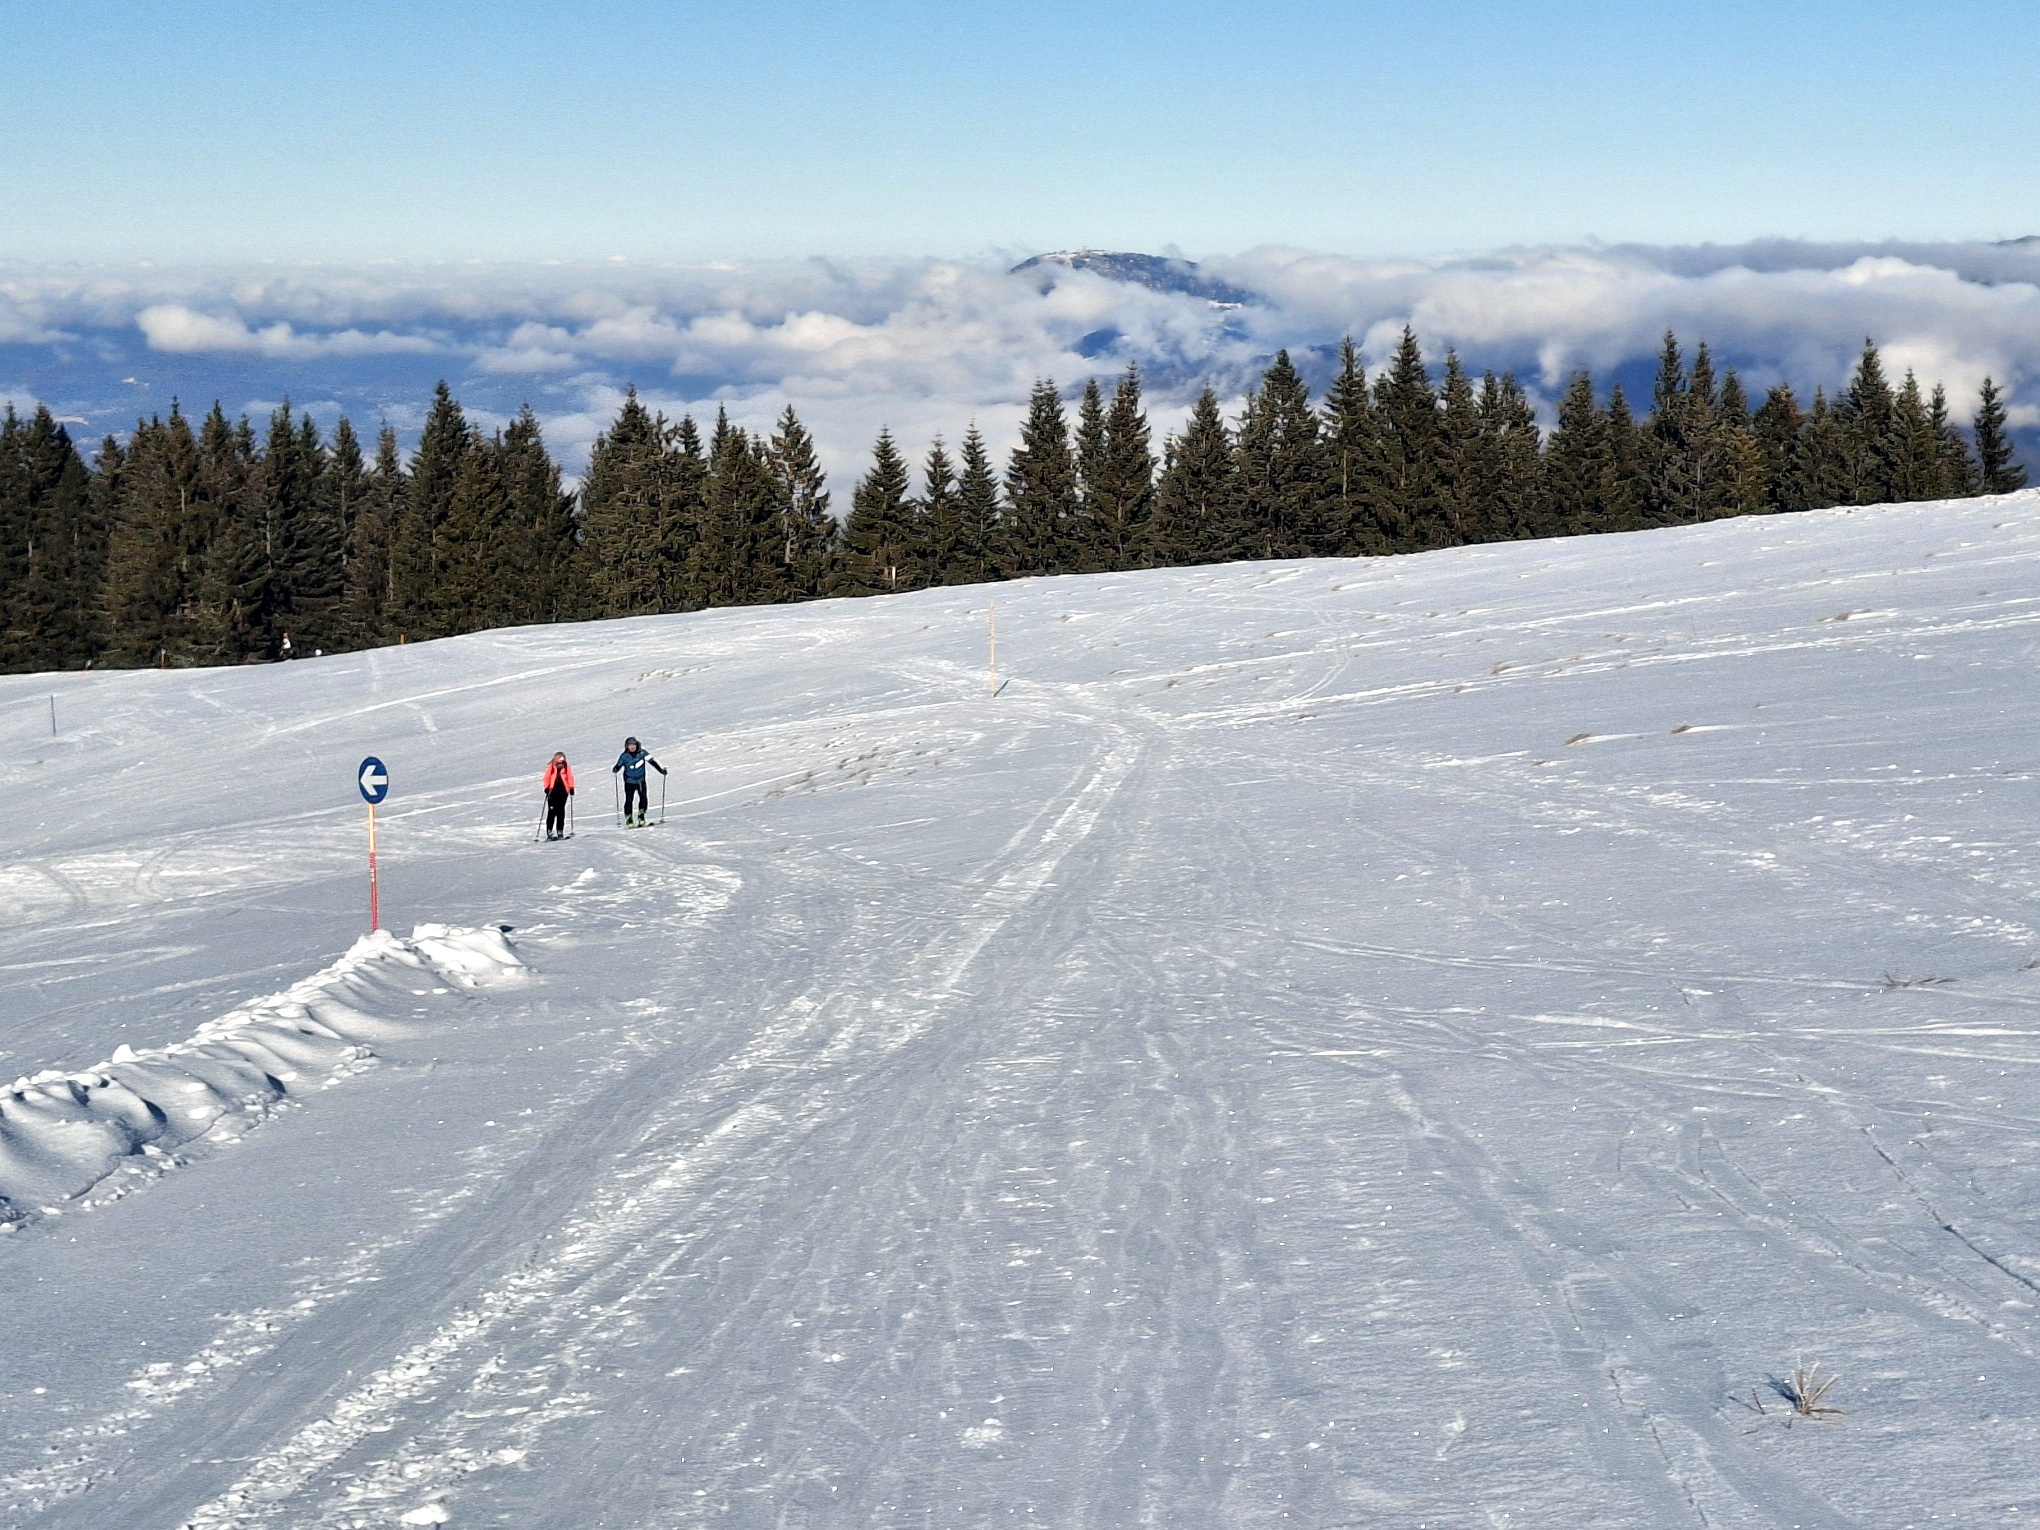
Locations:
{"points": [[1390, 1043]]}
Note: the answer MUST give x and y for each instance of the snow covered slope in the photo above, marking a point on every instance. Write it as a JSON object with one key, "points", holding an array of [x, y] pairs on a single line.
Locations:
{"points": [[1418, 1042]]}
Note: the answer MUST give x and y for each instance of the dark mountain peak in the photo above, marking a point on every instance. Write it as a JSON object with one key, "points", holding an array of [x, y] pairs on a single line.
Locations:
{"points": [[1158, 273]]}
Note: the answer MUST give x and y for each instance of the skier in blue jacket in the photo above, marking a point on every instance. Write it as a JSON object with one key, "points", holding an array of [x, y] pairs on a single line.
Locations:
{"points": [[632, 763]]}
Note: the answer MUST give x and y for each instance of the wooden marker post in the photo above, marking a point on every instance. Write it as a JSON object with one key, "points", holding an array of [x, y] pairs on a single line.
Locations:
{"points": [[374, 913], [374, 780]]}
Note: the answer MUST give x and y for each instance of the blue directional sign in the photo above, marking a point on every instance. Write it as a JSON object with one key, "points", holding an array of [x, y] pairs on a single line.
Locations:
{"points": [[374, 780]]}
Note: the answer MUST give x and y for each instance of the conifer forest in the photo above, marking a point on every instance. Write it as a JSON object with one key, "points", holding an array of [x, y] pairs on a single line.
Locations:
{"points": [[206, 542]]}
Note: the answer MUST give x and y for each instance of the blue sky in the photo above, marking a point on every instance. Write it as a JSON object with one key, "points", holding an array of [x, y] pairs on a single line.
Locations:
{"points": [[747, 205], [233, 131]]}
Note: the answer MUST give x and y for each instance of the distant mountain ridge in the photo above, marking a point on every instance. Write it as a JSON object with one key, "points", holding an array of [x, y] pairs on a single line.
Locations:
{"points": [[1158, 273]]}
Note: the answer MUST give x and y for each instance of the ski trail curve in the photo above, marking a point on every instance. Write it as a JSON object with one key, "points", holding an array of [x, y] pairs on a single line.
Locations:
{"points": [[632, 1230]]}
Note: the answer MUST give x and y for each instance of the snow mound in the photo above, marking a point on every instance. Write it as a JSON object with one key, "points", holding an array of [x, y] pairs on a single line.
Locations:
{"points": [[64, 1134]]}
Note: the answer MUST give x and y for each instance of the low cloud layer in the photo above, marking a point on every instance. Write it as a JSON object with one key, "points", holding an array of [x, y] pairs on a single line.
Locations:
{"points": [[173, 329], [928, 346]]}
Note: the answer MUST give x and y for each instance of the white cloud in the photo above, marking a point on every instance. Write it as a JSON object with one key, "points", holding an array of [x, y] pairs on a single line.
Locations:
{"points": [[174, 328], [24, 318], [926, 345]]}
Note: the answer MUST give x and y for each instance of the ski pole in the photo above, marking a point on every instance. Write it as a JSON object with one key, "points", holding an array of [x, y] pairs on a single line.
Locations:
{"points": [[616, 791], [662, 796], [570, 815]]}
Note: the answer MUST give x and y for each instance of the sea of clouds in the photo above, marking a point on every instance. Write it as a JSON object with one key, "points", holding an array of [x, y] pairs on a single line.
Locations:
{"points": [[928, 346]]}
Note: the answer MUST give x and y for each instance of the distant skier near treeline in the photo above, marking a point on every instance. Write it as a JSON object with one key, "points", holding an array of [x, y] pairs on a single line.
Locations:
{"points": [[559, 786], [632, 763]]}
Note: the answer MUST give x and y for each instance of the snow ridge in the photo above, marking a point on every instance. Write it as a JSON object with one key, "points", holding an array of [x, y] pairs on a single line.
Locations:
{"points": [[101, 1131]]}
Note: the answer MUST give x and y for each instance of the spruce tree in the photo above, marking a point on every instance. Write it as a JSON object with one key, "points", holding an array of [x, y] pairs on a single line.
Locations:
{"points": [[1742, 481], [420, 554], [1519, 500], [55, 553], [683, 476], [1628, 478], [1282, 481], [106, 483], [1779, 428], [1734, 404], [1918, 452], [807, 532], [1465, 471], [632, 537], [192, 475], [510, 561], [375, 519], [540, 563], [1867, 412], [1829, 474], [938, 516], [770, 581], [157, 555], [1672, 442], [303, 506], [1997, 470], [349, 478], [347, 486], [481, 568], [1196, 515], [879, 552], [14, 500], [1122, 484], [1700, 386], [76, 561], [1407, 511], [1089, 455], [1741, 476], [1577, 466], [238, 585], [980, 530], [1041, 490], [1958, 468], [1353, 467], [134, 598], [86, 508], [738, 557]]}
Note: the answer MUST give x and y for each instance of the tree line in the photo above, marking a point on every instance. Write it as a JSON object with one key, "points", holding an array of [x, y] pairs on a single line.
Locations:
{"points": [[207, 543]]}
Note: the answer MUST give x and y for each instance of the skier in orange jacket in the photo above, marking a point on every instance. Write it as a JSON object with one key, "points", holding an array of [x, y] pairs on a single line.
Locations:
{"points": [[559, 786]]}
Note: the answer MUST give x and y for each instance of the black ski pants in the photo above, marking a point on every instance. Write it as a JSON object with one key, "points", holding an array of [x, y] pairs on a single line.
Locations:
{"points": [[633, 789], [556, 810]]}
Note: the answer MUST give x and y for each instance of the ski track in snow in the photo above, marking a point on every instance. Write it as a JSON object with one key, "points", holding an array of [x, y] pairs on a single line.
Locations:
{"points": [[1405, 1042]]}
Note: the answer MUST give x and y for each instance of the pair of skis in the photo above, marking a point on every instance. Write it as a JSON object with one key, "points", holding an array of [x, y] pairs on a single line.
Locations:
{"points": [[621, 821], [545, 812], [616, 783]]}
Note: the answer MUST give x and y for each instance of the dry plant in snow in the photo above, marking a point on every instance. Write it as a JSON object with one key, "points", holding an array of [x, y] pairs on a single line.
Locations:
{"points": [[1806, 1390], [1892, 982]]}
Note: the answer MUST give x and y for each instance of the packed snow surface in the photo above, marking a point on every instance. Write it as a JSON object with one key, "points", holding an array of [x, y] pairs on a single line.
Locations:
{"points": [[1420, 1042], [61, 1134]]}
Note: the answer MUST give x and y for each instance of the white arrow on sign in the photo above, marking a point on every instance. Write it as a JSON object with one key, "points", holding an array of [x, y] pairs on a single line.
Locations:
{"points": [[372, 780]]}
